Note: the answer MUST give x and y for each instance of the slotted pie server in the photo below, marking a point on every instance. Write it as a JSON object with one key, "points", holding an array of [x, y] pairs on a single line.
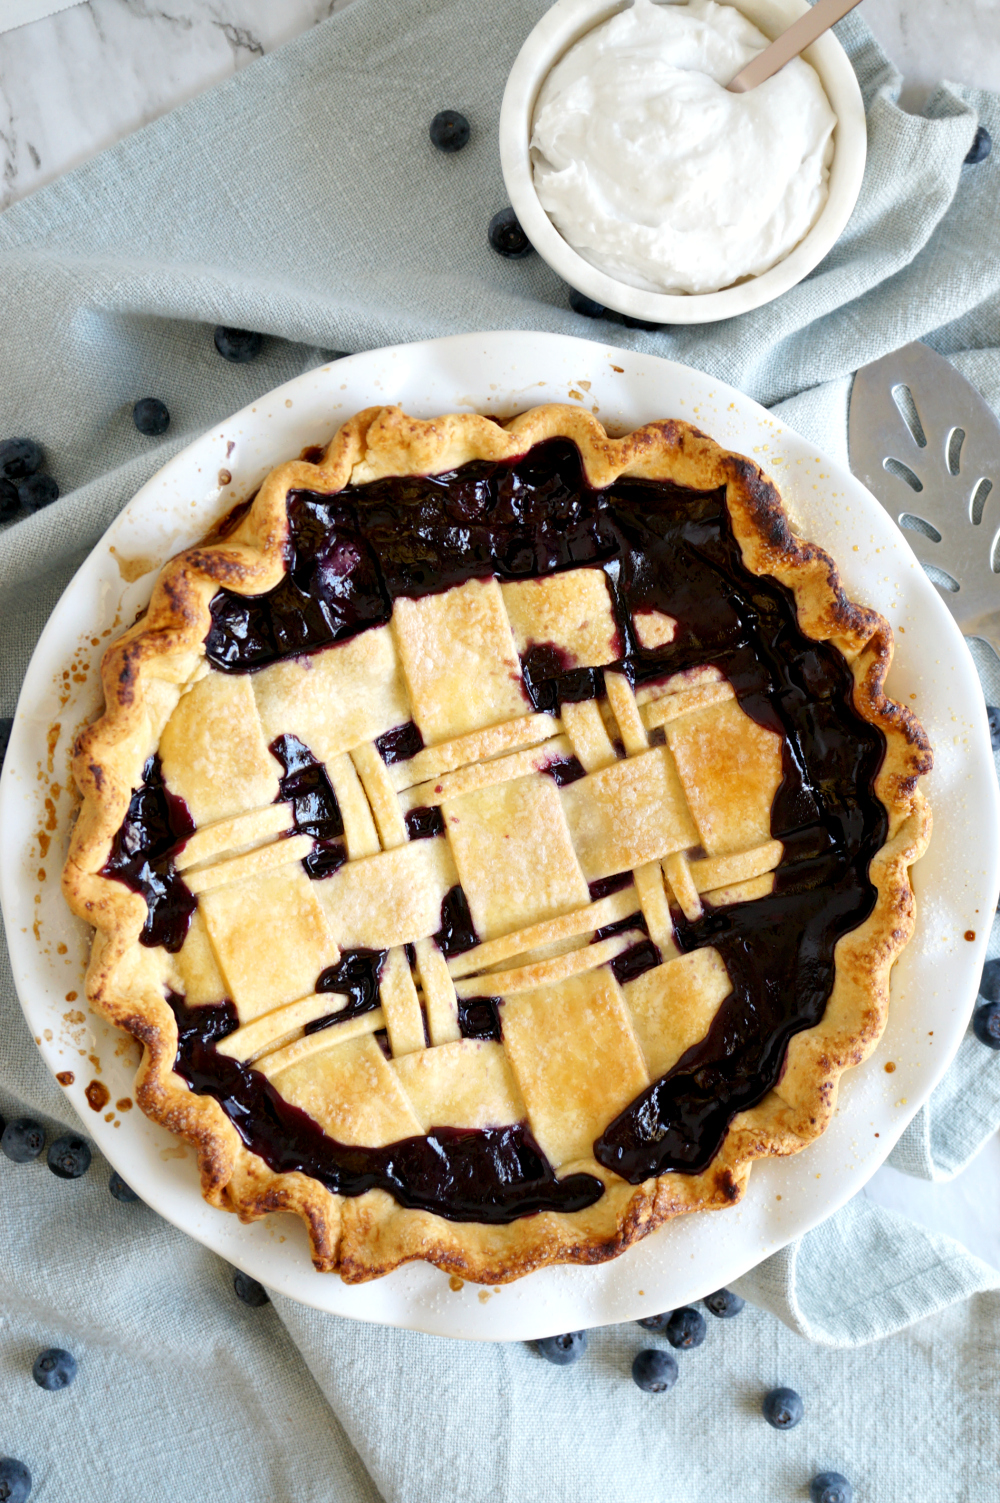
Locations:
{"points": [[928, 448]]}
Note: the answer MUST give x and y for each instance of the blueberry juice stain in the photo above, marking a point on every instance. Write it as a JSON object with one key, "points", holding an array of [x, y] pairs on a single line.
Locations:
{"points": [[662, 548]]}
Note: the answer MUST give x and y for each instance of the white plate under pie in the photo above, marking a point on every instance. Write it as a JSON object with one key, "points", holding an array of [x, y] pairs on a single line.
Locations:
{"points": [[933, 985]]}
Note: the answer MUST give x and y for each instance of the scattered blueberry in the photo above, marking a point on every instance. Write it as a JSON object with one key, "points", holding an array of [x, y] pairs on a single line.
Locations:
{"points": [[654, 1371], [15, 1481], [23, 1140], [120, 1190], [69, 1156], [6, 727], [782, 1408], [986, 1024], [10, 501], [686, 1328], [723, 1303], [54, 1369], [562, 1350], [450, 131], [37, 491], [19, 458], [507, 237], [151, 417], [248, 1289], [989, 985], [981, 147], [830, 1487], [585, 306], [993, 716], [238, 345], [637, 323], [654, 1322]]}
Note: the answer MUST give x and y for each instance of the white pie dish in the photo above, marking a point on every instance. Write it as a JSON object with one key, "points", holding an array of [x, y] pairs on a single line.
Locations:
{"points": [[933, 986], [556, 32]]}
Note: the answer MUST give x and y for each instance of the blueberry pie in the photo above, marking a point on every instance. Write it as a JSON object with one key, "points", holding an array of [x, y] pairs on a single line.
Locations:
{"points": [[497, 837]]}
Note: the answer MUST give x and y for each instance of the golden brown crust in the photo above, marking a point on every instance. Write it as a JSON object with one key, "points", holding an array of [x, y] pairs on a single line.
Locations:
{"points": [[142, 674]]}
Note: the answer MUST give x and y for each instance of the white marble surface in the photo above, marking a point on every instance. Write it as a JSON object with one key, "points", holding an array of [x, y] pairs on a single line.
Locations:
{"points": [[74, 82]]}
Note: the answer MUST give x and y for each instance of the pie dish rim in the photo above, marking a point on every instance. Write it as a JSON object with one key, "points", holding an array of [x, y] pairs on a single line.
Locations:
{"points": [[499, 371]]}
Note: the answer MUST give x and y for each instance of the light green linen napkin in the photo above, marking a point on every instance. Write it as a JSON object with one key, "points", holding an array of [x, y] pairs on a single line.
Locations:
{"points": [[303, 199]]}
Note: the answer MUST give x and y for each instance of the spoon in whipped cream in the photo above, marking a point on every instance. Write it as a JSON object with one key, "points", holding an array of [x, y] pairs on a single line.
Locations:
{"points": [[800, 35]]}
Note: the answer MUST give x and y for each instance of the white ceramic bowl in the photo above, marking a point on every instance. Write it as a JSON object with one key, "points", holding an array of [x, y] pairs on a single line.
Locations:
{"points": [[555, 33]]}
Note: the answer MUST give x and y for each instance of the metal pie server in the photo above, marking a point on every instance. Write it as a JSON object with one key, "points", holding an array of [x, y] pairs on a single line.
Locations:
{"points": [[928, 448]]}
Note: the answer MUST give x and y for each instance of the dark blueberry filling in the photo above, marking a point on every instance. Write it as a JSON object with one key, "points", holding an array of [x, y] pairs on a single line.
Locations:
{"points": [[488, 1174], [569, 770], [155, 828], [622, 926], [635, 961], [479, 1018], [457, 932], [423, 823], [400, 744], [663, 549], [315, 810], [307, 788], [356, 976], [605, 886]]}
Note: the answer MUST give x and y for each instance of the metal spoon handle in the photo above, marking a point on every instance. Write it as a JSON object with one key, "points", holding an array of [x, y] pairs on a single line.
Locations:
{"points": [[801, 34]]}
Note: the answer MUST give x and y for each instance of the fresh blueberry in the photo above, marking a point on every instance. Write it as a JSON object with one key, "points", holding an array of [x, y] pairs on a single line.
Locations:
{"points": [[989, 985], [23, 1140], [19, 458], [986, 1024], [15, 1481], [450, 131], [993, 716], [120, 1190], [248, 1289], [830, 1487], [37, 491], [637, 323], [10, 501], [585, 306], [238, 345], [654, 1322], [562, 1350], [723, 1303], [981, 147], [151, 417], [507, 237], [54, 1369], [782, 1408], [686, 1328], [69, 1156], [654, 1371], [6, 727]]}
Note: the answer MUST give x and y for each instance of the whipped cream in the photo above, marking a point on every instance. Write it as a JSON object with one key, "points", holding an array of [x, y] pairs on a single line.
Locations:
{"points": [[656, 174]]}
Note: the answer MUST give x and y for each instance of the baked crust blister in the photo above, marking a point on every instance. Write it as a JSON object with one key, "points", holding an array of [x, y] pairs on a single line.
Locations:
{"points": [[153, 681]]}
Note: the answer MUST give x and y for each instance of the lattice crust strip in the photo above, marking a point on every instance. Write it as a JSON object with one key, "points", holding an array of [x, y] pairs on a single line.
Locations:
{"points": [[659, 1015], [510, 831], [477, 747]]}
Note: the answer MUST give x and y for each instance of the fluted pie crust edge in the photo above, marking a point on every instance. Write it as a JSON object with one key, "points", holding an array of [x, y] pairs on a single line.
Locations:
{"points": [[367, 1236]]}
